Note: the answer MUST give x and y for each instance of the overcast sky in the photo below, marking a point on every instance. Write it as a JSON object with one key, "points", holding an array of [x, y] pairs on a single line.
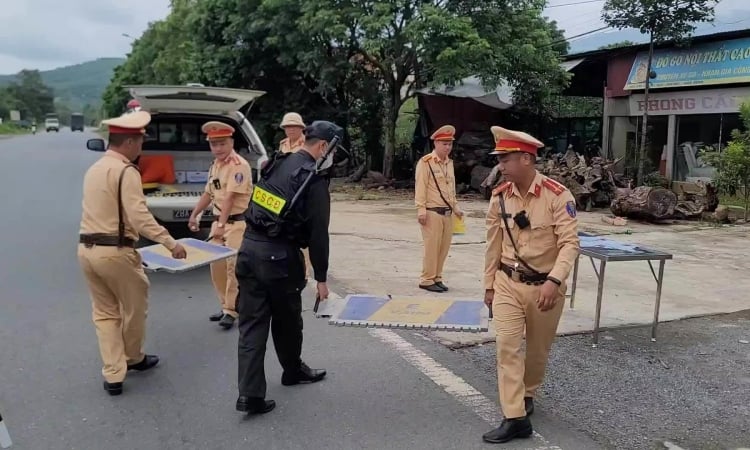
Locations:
{"points": [[45, 34]]}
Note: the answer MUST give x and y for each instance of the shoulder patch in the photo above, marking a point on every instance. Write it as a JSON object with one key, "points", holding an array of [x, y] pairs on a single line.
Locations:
{"points": [[570, 207], [554, 186], [501, 188], [239, 178]]}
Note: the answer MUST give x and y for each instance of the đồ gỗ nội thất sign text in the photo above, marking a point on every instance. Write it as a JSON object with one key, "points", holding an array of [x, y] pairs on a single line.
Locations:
{"points": [[722, 62]]}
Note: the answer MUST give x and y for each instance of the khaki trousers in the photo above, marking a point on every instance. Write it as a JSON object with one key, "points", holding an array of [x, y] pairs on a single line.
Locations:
{"points": [[514, 308], [119, 301], [222, 272], [437, 234]]}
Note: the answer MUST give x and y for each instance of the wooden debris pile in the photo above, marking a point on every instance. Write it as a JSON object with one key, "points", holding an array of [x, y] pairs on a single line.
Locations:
{"points": [[694, 199], [593, 184], [644, 202]]}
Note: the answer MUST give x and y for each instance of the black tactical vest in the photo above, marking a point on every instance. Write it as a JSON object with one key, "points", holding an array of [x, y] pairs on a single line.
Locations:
{"points": [[282, 177]]}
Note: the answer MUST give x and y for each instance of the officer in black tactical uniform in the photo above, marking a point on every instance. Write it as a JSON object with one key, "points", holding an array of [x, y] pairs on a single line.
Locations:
{"points": [[289, 210]]}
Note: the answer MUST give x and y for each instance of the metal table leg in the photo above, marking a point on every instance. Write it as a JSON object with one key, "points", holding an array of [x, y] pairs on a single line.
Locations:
{"points": [[575, 283], [659, 282], [599, 292]]}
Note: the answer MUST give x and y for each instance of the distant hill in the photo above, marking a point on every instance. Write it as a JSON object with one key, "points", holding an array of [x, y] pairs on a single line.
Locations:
{"points": [[79, 84]]}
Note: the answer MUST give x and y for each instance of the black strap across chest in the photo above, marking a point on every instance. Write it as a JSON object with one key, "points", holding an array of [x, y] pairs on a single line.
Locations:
{"points": [[120, 220], [437, 185]]}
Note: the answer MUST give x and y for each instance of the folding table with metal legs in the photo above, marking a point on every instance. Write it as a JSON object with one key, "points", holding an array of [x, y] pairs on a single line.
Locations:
{"points": [[607, 250]]}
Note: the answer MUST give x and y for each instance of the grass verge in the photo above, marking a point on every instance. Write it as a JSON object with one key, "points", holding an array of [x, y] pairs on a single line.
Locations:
{"points": [[7, 128]]}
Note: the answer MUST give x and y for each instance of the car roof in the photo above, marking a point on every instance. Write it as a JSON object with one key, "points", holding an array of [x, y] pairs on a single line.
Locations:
{"points": [[192, 98]]}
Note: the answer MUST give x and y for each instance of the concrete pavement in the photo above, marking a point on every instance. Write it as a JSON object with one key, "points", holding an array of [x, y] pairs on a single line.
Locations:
{"points": [[707, 275], [384, 390]]}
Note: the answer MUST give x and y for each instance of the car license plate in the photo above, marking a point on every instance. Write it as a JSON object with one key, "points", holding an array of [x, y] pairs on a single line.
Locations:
{"points": [[185, 214]]}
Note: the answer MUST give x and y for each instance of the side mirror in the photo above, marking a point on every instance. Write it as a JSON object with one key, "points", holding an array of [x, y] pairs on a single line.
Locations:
{"points": [[96, 145]]}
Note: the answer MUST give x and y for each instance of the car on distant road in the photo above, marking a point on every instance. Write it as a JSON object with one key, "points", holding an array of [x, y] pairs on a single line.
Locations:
{"points": [[177, 146], [52, 124]]}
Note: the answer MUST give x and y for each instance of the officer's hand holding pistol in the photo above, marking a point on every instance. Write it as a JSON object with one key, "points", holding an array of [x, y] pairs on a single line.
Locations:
{"points": [[322, 291], [489, 295]]}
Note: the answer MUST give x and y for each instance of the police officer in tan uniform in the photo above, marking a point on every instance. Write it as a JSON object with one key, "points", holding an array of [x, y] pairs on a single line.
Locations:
{"points": [[435, 199], [114, 216], [532, 243], [228, 190], [292, 125]]}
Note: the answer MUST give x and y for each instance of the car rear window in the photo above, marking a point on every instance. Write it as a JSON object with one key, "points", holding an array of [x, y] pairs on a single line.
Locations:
{"points": [[182, 134]]}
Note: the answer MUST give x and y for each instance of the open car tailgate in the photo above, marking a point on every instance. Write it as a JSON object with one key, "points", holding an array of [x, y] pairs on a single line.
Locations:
{"points": [[194, 99]]}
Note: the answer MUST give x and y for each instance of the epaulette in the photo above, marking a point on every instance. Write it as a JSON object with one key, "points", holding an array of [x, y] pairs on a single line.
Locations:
{"points": [[427, 157], [501, 188], [554, 186]]}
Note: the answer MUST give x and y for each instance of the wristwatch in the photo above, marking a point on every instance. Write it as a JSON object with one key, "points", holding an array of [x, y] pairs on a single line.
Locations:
{"points": [[554, 280]]}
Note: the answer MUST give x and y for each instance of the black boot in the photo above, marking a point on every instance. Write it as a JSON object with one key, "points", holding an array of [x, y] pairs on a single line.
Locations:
{"points": [[226, 322], [508, 430], [529, 404], [113, 388], [254, 405], [431, 288], [442, 286], [304, 375], [148, 362]]}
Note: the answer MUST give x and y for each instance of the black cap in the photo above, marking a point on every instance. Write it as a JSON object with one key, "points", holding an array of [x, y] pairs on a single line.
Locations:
{"points": [[324, 130]]}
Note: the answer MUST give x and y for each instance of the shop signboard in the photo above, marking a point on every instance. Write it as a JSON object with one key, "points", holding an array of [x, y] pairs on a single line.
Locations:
{"points": [[722, 62], [709, 101]]}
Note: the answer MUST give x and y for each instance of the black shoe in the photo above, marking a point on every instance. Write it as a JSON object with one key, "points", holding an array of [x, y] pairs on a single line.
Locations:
{"points": [[529, 404], [303, 376], [113, 388], [442, 286], [508, 430], [254, 405], [226, 322], [148, 362], [216, 317], [431, 288]]}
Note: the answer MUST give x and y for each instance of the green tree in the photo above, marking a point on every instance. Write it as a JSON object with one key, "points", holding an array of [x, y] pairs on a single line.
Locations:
{"points": [[617, 45], [733, 162], [415, 43], [661, 20], [163, 54], [32, 97], [8, 103], [258, 45]]}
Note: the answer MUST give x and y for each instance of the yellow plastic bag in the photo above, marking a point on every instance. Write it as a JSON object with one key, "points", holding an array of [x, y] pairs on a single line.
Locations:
{"points": [[459, 226]]}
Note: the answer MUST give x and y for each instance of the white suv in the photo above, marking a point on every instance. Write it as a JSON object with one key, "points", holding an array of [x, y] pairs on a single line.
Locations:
{"points": [[177, 114]]}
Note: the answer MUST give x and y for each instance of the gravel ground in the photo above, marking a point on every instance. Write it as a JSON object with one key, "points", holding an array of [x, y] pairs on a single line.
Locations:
{"points": [[690, 388]]}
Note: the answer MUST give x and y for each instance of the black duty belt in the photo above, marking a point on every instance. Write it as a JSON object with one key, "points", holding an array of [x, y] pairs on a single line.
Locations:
{"points": [[534, 279], [254, 235], [105, 240], [443, 211], [233, 218]]}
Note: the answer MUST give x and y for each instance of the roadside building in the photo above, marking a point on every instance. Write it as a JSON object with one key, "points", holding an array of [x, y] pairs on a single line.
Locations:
{"points": [[694, 99]]}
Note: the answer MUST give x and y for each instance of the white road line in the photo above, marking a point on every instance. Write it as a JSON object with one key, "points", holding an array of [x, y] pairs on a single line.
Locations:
{"points": [[450, 382]]}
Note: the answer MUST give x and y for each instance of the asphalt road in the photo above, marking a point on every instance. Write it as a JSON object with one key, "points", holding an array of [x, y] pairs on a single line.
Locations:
{"points": [[50, 373]]}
